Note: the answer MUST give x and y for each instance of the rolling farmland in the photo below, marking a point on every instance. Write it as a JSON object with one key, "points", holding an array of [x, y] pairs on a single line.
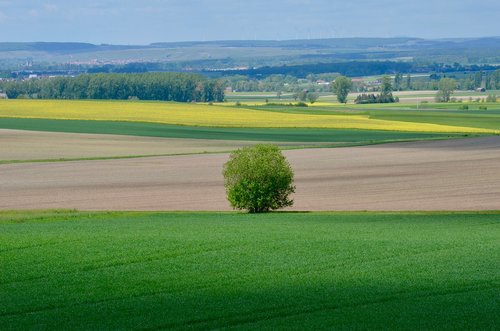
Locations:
{"points": [[119, 162], [81, 262], [231, 165]]}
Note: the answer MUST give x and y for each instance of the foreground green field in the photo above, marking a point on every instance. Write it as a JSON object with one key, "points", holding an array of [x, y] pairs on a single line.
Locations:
{"points": [[290, 271]]}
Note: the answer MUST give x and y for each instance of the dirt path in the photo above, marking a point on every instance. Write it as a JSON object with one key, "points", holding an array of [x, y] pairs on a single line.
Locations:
{"points": [[439, 175]]}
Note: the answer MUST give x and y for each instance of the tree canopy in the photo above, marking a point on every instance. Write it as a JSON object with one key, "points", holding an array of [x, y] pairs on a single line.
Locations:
{"points": [[258, 179], [446, 88], [341, 87]]}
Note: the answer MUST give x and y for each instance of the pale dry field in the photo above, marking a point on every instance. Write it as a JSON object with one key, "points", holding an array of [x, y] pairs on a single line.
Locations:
{"points": [[440, 175], [36, 145]]}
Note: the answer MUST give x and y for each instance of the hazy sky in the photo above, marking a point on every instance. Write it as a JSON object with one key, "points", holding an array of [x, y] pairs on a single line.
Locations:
{"points": [[146, 21]]}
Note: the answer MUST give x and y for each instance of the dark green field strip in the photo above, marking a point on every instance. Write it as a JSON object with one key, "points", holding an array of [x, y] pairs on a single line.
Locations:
{"points": [[310, 110], [484, 120], [248, 134], [293, 271]]}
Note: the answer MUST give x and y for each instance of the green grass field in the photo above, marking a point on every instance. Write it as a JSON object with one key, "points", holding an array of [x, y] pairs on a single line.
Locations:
{"points": [[289, 271]]}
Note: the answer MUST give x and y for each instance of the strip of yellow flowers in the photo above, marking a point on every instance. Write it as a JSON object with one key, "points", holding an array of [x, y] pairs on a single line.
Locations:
{"points": [[205, 115]]}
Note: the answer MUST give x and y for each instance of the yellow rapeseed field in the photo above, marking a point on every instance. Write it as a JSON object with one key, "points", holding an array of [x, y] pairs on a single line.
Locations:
{"points": [[204, 115]]}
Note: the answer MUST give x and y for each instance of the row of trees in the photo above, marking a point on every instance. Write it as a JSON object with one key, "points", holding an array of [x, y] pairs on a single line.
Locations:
{"points": [[343, 85], [351, 68], [464, 81], [181, 87], [400, 82]]}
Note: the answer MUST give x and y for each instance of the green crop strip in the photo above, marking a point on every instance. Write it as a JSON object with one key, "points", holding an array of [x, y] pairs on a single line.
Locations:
{"points": [[249, 134]]}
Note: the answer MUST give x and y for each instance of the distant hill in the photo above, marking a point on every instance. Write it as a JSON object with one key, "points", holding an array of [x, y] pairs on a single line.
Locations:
{"points": [[247, 54], [61, 47], [51, 47], [333, 43]]}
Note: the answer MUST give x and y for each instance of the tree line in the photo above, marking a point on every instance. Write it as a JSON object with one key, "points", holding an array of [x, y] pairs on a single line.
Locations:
{"points": [[490, 80], [180, 87], [352, 69]]}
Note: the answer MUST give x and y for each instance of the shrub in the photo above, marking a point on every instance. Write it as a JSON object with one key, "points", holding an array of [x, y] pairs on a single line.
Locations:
{"points": [[483, 108], [372, 98], [258, 179], [463, 107]]}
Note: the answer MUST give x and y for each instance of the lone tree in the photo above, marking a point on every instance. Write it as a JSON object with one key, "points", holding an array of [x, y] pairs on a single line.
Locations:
{"points": [[408, 82], [398, 80], [446, 88], [258, 179], [342, 86], [386, 87], [312, 97]]}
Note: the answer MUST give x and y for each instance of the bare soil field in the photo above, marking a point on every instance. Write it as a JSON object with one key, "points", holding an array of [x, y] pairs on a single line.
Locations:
{"points": [[36, 145], [435, 175]]}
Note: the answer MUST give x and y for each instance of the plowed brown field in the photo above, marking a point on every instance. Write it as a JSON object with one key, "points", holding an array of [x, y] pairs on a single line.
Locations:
{"points": [[36, 145], [440, 175]]}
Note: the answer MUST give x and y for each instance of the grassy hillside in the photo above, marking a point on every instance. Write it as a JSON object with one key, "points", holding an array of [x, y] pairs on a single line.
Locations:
{"points": [[293, 271]]}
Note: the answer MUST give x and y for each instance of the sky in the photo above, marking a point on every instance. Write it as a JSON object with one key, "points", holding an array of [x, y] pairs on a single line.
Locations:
{"points": [[145, 21]]}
